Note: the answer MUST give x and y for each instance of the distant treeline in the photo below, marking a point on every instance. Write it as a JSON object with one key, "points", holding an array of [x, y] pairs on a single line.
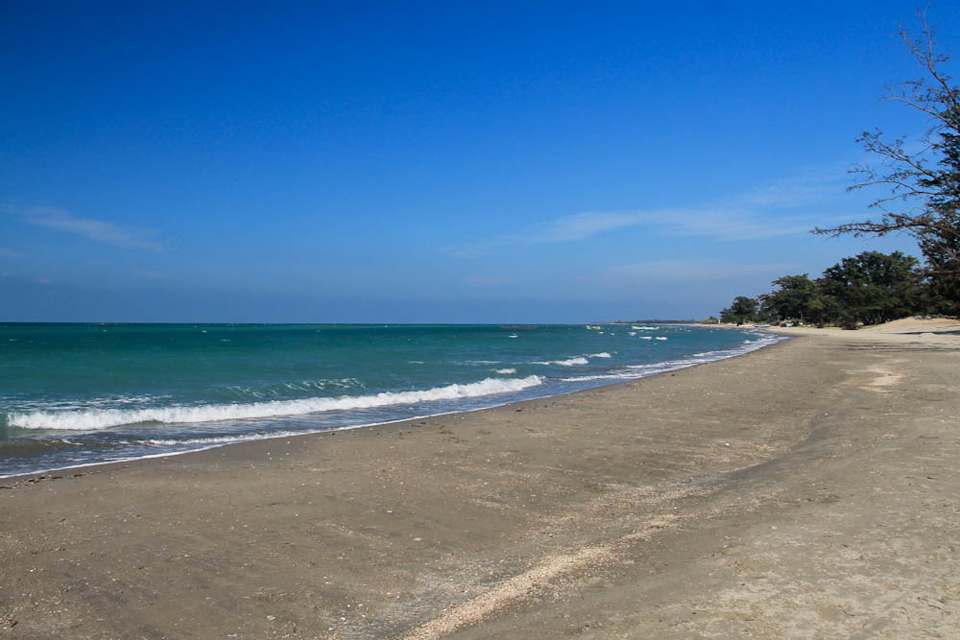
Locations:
{"points": [[869, 288]]}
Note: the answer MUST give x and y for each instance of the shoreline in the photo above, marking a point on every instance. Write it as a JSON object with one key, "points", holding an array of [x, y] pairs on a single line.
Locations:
{"points": [[804, 489], [685, 363]]}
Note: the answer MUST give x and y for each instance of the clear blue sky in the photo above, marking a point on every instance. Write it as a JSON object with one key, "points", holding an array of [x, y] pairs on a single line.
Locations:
{"points": [[433, 162]]}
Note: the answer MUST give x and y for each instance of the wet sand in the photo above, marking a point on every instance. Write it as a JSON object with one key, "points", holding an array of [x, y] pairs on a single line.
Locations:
{"points": [[809, 489]]}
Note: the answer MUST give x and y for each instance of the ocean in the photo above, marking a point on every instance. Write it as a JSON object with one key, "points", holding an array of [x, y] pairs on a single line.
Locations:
{"points": [[81, 394]]}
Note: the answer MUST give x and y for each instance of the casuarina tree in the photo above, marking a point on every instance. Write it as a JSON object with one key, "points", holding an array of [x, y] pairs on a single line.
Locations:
{"points": [[922, 180], [742, 309]]}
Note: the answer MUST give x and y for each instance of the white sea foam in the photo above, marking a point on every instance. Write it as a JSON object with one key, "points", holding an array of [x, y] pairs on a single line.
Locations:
{"points": [[577, 360], [660, 338], [646, 337], [632, 372], [565, 363], [92, 420], [507, 371], [215, 440]]}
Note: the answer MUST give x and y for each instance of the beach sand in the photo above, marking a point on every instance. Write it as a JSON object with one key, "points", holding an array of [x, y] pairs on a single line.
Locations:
{"points": [[809, 489]]}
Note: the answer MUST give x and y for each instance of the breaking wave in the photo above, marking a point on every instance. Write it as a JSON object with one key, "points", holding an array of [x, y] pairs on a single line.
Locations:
{"points": [[96, 419], [578, 360]]}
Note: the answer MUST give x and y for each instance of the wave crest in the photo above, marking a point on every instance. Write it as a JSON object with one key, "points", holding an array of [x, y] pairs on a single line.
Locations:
{"points": [[96, 419], [565, 363], [576, 360]]}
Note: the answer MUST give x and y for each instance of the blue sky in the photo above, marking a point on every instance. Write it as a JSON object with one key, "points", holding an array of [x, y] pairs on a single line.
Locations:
{"points": [[433, 162]]}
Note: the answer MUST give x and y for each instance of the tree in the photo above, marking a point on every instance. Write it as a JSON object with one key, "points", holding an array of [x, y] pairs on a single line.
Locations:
{"points": [[743, 308], [872, 287], [798, 297], [924, 184]]}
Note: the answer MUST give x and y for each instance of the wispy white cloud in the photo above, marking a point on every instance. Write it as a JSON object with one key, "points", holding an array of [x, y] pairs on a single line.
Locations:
{"points": [[777, 210], [720, 223], [96, 230], [7, 253], [794, 193], [665, 271], [584, 225]]}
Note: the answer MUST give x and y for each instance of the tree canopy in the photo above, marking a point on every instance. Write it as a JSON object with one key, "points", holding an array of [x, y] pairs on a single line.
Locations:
{"points": [[797, 297], [742, 310], [872, 287], [869, 288]]}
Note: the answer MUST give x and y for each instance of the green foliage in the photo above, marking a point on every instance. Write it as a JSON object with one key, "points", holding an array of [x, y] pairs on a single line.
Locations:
{"points": [[869, 288], [872, 287], [798, 298], [742, 310]]}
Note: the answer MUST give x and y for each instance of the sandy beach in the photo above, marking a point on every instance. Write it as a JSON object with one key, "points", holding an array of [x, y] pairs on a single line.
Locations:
{"points": [[809, 489]]}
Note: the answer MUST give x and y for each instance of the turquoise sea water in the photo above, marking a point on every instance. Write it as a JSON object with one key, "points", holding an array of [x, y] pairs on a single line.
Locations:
{"points": [[75, 394]]}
